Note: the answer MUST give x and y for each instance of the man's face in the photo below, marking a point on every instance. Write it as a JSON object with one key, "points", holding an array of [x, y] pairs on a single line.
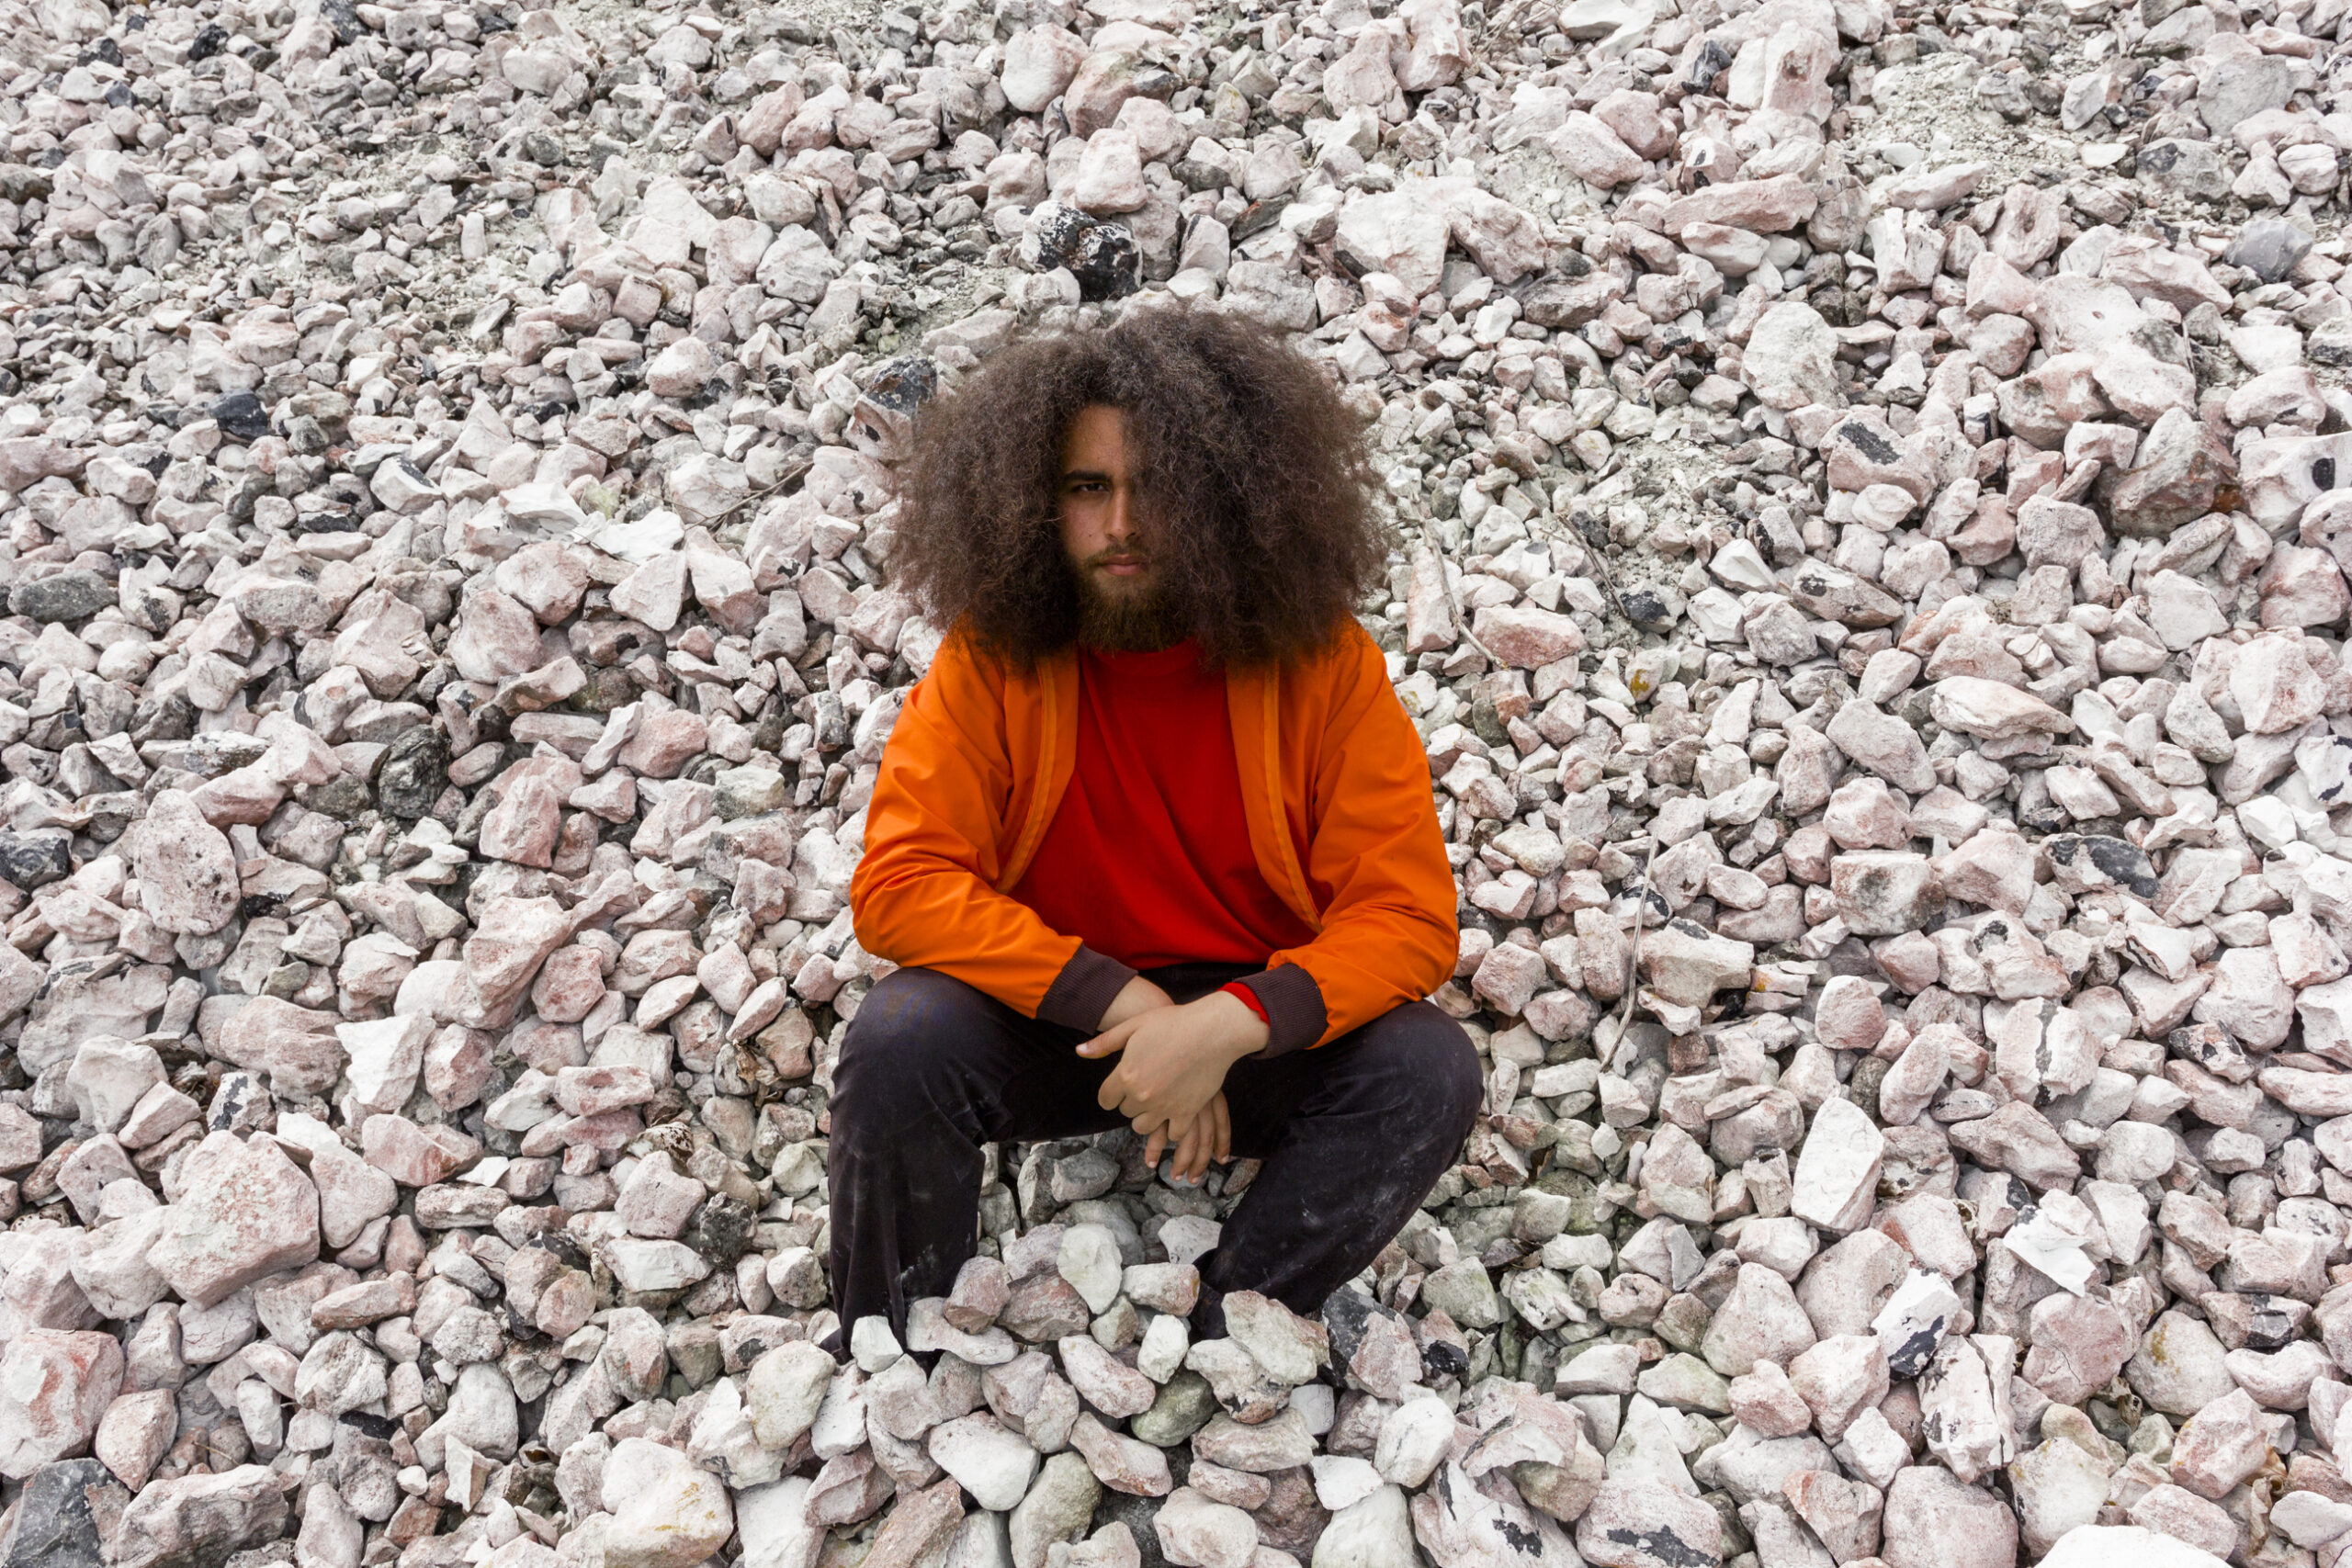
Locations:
{"points": [[1119, 592]]}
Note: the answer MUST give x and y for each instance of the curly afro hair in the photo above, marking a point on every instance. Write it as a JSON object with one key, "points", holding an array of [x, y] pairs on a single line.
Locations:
{"points": [[1242, 444]]}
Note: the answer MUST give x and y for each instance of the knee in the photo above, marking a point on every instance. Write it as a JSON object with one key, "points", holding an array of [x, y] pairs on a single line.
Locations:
{"points": [[1433, 1068], [903, 1038]]}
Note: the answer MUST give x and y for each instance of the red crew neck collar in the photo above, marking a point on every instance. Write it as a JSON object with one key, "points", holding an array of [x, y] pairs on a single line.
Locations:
{"points": [[1175, 657]]}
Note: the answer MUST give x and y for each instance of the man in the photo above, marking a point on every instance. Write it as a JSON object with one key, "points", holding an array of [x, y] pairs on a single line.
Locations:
{"points": [[1153, 839]]}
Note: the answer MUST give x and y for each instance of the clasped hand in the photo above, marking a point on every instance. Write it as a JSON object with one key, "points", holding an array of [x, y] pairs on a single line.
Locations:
{"points": [[1170, 1077]]}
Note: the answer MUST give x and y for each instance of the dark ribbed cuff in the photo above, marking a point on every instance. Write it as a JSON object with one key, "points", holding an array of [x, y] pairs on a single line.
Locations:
{"points": [[1296, 1017], [1084, 990]]}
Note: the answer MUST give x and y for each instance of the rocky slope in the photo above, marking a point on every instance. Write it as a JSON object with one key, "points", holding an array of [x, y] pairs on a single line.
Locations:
{"points": [[1873, 484]]}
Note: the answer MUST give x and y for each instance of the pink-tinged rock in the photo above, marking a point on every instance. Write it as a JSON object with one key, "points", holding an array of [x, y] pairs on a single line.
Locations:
{"points": [[654, 592], [2057, 532], [1883, 892], [135, 1433], [1933, 1520], [2301, 588], [1525, 637], [1759, 1320], [201, 1518], [665, 743], [2170, 1528], [1440, 49], [1845, 1515], [2151, 270], [2072, 312], [1594, 152], [1838, 1378], [658, 1199], [1765, 1399], [1039, 61], [1642, 1524], [54, 1389], [1915, 1079], [1864, 815], [596, 1091], [1997, 288], [680, 370], [1837, 1170], [1637, 118], [1762, 206], [2018, 1139], [1994, 868], [2079, 1345], [722, 584], [522, 827], [1197, 1533], [1121, 1463], [512, 938], [546, 577], [2223, 1444], [245, 1211], [1880, 741], [295, 1045], [187, 874], [1504, 240], [496, 636], [2139, 384], [1792, 357], [570, 985], [2180, 469], [414, 1155], [1992, 711], [1848, 1017], [921, 1528], [2273, 683]]}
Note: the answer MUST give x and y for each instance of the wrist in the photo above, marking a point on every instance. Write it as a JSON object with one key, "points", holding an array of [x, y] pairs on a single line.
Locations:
{"points": [[1241, 1030]]}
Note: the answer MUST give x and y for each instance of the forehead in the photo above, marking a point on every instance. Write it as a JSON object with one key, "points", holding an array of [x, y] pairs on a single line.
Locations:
{"points": [[1096, 438]]}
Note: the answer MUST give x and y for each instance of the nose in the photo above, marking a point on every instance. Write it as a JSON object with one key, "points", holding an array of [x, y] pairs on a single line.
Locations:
{"points": [[1120, 525]]}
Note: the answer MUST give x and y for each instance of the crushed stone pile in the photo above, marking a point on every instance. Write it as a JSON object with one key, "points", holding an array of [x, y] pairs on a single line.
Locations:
{"points": [[1873, 483]]}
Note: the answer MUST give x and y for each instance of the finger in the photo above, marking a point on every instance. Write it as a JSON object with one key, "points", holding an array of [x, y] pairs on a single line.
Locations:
{"points": [[1224, 1128], [1113, 1090], [1109, 1041], [1193, 1161], [1183, 1160], [1158, 1142]]}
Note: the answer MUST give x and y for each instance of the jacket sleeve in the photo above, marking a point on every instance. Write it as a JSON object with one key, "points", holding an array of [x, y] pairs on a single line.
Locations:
{"points": [[1390, 934], [924, 895]]}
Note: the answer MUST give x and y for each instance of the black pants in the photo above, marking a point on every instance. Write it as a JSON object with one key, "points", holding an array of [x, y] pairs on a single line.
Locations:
{"points": [[1353, 1135]]}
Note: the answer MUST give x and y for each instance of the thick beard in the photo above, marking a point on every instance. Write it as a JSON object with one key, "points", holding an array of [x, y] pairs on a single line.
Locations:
{"points": [[1121, 622]]}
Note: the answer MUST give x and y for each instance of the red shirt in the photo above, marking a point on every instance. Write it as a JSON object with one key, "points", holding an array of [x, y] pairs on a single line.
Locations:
{"points": [[1147, 858]]}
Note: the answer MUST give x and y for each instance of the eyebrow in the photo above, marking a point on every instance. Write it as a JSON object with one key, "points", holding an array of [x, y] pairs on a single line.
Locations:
{"points": [[1085, 473]]}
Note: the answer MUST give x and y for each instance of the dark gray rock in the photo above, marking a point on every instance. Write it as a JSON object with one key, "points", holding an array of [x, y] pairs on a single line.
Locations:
{"points": [[62, 596], [2269, 248], [57, 1521], [36, 858], [241, 416], [415, 772]]}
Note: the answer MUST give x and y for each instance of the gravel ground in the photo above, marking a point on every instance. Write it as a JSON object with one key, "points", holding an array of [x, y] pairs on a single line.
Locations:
{"points": [[1873, 485]]}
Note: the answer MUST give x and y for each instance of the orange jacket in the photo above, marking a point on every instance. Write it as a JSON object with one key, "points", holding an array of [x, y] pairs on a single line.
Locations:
{"points": [[1334, 780]]}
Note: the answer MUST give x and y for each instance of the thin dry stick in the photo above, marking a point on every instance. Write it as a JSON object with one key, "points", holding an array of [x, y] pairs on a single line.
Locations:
{"points": [[1461, 622], [1641, 909]]}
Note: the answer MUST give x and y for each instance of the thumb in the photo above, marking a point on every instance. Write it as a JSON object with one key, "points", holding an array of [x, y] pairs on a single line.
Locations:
{"points": [[1103, 1044]]}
